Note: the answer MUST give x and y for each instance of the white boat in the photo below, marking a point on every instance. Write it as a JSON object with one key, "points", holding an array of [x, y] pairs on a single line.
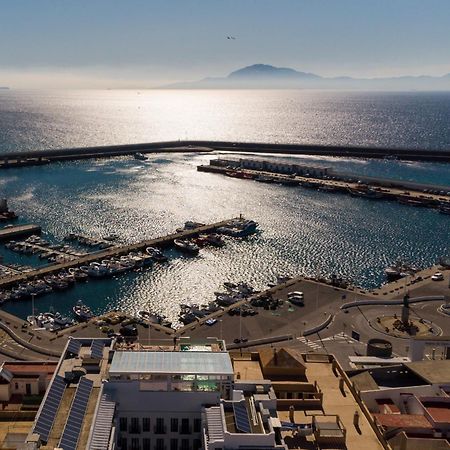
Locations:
{"points": [[140, 156], [82, 312]]}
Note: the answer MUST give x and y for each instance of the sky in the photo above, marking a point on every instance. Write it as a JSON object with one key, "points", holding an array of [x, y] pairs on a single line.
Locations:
{"points": [[146, 43]]}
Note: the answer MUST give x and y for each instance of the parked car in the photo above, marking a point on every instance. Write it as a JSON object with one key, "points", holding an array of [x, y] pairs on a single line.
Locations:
{"points": [[129, 330], [438, 276]]}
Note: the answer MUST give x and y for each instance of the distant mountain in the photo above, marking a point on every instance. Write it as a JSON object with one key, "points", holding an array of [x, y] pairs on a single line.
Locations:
{"points": [[265, 71], [4, 87], [264, 76]]}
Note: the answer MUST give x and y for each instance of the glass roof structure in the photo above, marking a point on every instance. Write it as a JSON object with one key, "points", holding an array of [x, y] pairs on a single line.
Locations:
{"points": [[187, 363]]}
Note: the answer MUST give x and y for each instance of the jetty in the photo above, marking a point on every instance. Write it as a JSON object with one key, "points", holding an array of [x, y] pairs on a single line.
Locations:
{"points": [[115, 251], [40, 157], [6, 234], [327, 180]]}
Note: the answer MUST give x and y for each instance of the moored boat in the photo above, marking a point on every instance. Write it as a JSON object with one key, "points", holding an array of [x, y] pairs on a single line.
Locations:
{"points": [[156, 254], [186, 246], [82, 312]]}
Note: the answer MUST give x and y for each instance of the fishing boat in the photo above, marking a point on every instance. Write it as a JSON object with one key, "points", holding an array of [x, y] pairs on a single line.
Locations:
{"points": [[186, 246], [82, 312]]}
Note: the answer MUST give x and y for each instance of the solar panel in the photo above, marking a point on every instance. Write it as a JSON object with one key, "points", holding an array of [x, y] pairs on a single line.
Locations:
{"points": [[44, 423], [74, 346], [72, 430], [241, 417], [97, 349]]}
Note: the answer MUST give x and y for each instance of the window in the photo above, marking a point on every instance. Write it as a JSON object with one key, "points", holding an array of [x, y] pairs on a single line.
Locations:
{"points": [[174, 425], [123, 424], [159, 429], [16, 385], [134, 426], [146, 424], [197, 425], [184, 444], [123, 443], [197, 444], [185, 426], [159, 444], [135, 444], [174, 444], [146, 444]]}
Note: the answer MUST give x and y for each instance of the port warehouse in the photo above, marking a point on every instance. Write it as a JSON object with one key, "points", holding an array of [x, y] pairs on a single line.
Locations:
{"points": [[273, 166], [315, 172], [28, 158]]}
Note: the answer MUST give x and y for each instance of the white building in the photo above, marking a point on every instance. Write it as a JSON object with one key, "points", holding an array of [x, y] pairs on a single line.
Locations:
{"points": [[168, 397]]}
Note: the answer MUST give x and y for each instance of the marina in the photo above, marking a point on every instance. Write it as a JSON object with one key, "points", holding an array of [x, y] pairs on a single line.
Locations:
{"points": [[107, 263], [116, 251], [193, 280]]}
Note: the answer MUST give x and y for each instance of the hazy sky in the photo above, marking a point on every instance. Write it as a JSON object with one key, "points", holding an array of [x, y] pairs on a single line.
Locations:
{"points": [[128, 43]]}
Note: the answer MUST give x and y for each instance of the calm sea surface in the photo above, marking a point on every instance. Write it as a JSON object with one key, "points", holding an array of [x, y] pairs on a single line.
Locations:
{"points": [[303, 231]]}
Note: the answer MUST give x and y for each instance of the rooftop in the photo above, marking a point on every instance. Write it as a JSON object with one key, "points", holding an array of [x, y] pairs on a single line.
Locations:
{"points": [[432, 371], [45, 367], [403, 421], [192, 363], [438, 408]]}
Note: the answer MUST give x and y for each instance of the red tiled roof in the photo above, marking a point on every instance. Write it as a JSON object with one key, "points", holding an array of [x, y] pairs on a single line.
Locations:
{"points": [[439, 413], [403, 421], [44, 368]]}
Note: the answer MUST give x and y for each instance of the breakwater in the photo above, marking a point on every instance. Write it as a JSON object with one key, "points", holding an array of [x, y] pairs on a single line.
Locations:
{"points": [[39, 157]]}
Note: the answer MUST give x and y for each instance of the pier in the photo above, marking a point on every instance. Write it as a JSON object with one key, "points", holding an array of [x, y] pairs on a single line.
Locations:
{"points": [[6, 234], [40, 157], [114, 251], [413, 194]]}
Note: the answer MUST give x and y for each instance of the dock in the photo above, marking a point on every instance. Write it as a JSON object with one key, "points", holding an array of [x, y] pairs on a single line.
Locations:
{"points": [[6, 234], [374, 189], [119, 250]]}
